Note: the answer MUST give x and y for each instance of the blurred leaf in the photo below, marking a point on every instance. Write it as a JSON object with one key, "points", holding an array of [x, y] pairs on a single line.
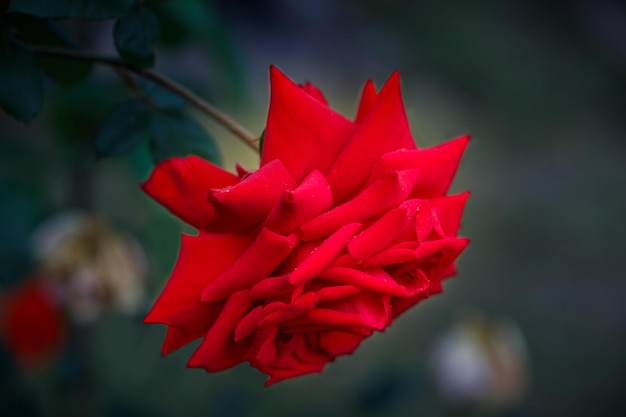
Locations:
{"points": [[88, 9], [134, 35], [123, 128], [177, 134], [64, 71], [21, 93], [160, 96], [75, 114], [35, 31]]}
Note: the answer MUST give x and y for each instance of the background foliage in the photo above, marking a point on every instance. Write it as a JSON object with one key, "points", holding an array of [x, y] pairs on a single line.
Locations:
{"points": [[539, 85]]}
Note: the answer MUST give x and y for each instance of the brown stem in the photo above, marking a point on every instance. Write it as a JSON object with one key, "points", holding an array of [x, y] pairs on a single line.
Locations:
{"points": [[222, 118]]}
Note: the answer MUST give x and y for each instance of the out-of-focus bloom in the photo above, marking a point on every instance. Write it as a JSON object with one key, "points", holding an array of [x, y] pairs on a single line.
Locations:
{"points": [[32, 325], [481, 362], [345, 225], [91, 266]]}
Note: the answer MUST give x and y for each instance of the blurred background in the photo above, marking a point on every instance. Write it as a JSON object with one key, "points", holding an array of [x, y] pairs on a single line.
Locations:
{"points": [[533, 325]]}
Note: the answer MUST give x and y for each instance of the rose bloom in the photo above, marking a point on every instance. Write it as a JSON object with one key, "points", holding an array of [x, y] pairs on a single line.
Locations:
{"points": [[32, 324], [344, 226]]}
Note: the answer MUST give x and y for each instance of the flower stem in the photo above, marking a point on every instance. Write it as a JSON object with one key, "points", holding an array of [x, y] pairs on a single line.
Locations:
{"points": [[242, 133]]}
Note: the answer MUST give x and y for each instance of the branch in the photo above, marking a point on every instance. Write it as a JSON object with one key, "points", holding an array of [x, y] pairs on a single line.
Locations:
{"points": [[222, 118]]}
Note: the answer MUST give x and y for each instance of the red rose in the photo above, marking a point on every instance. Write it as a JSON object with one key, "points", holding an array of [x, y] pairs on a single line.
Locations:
{"points": [[32, 324], [343, 227]]}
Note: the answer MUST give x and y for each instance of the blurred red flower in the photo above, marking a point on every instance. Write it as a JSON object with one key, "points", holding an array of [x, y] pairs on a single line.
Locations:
{"points": [[343, 227], [32, 325]]}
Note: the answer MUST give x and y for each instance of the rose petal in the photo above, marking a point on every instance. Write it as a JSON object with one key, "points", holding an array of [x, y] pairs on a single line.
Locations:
{"points": [[336, 292], [215, 352], [248, 323], [373, 308], [315, 92], [371, 280], [425, 220], [250, 201], [299, 125], [188, 323], [179, 303], [368, 100], [310, 198], [362, 310], [400, 305], [181, 184], [376, 237], [391, 256], [271, 287], [324, 254], [175, 338], [441, 267], [389, 191], [335, 342], [449, 210], [385, 129], [437, 166], [258, 261]]}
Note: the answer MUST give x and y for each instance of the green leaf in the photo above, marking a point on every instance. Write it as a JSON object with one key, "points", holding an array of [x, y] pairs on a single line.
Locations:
{"points": [[134, 35], [123, 128], [177, 134], [21, 92], [87, 9]]}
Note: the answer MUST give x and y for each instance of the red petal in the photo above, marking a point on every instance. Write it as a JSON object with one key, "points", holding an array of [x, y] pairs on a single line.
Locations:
{"points": [[385, 129], [371, 310], [271, 287], [324, 254], [373, 280], [181, 185], [190, 276], [437, 166], [179, 304], [176, 338], [214, 353], [368, 100], [449, 210], [311, 198], [335, 342], [181, 296], [301, 131], [389, 191], [441, 269], [313, 91], [424, 221], [391, 256], [249, 202], [262, 257], [336, 292], [376, 237]]}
